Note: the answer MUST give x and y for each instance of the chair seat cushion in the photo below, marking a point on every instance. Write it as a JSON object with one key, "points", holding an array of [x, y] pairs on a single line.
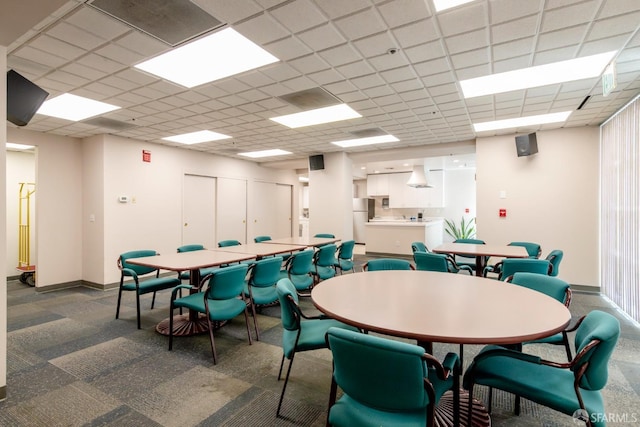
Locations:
{"points": [[152, 284], [349, 412], [262, 296], [218, 309], [344, 264], [312, 334], [324, 273], [300, 282], [546, 385], [553, 339]]}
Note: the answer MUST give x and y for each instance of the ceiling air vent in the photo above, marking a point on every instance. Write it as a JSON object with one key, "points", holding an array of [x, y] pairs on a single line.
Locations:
{"points": [[310, 99], [170, 21], [104, 122], [367, 133]]}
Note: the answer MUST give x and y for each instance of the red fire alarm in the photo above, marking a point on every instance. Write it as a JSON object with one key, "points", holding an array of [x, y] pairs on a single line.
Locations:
{"points": [[466, 210], [146, 156], [502, 213]]}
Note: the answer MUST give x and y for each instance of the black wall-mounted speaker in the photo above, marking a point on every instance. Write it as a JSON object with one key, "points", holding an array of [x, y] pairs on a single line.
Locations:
{"points": [[316, 162], [23, 98], [526, 145]]}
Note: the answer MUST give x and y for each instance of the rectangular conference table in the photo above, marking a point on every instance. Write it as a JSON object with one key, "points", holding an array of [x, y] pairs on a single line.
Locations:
{"points": [[306, 241], [441, 307], [262, 249], [481, 252], [192, 323]]}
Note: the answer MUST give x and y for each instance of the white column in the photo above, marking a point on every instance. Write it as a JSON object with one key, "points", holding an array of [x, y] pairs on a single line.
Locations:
{"points": [[331, 197], [3, 230]]}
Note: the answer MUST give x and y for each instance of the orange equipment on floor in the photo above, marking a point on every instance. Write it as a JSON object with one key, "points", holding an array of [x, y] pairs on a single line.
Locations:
{"points": [[24, 233]]}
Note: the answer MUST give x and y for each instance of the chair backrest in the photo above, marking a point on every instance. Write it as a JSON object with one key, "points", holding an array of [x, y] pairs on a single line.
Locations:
{"points": [[554, 257], [345, 250], [190, 248], [387, 264], [265, 272], [290, 315], [556, 288], [597, 325], [227, 283], [510, 266], [472, 241], [378, 372], [139, 269], [223, 243], [301, 262], [428, 261], [259, 239], [533, 249], [327, 235], [419, 247], [325, 256]]}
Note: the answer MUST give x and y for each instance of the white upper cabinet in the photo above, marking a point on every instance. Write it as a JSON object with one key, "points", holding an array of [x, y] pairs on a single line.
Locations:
{"points": [[378, 185]]}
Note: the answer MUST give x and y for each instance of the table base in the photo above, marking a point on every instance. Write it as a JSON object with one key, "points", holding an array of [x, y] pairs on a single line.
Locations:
{"points": [[183, 326], [444, 411]]}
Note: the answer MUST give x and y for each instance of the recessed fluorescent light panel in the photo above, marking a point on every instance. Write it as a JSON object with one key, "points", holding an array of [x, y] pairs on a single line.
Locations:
{"points": [[334, 113], [74, 108], [441, 5], [265, 153], [541, 75], [221, 54], [522, 121], [196, 137], [12, 146], [348, 143]]}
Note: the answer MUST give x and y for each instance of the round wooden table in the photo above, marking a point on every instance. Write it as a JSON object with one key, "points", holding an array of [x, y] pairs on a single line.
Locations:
{"points": [[441, 307]]}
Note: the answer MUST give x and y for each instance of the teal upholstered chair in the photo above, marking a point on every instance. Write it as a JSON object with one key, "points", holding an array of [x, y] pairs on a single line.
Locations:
{"points": [[557, 289], [533, 249], [554, 257], [324, 261], [299, 331], [225, 243], [222, 298], [298, 269], [509, 266], [259, 239], [419, 247], [145, 279], [260, 287], [184, 275], [325, 235], [469, 260], [429, 261], [387, 264], [344, 259], [386, 382], [573, 388]]}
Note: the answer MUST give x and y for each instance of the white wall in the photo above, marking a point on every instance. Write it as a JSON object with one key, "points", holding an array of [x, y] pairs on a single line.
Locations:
{"points": [[331, 197], [552, 197], [3, 235], [21, 167], [459, 195]]}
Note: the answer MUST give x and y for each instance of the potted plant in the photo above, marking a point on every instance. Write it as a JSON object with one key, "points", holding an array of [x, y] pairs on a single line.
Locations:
{"points": [[466, 230]]}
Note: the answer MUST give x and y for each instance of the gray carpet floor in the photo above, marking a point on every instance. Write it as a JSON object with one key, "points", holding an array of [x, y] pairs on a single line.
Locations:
{"points": [[71, 363]]}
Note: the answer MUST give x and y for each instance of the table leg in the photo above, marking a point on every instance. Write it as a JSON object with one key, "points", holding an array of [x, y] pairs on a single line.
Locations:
{"points": [[480, 265]]}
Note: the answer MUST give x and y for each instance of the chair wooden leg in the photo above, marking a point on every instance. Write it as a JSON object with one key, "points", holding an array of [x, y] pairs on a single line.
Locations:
{"points": [[567, 347], [332, 397], [255, 320], [119, 299], [213, 346], [246, 320], [281, 365], [284, 386], [153, 300]]}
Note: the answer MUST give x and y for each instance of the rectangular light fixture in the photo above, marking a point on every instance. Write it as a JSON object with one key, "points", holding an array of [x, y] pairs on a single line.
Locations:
{"points": [[196, 137], [12, 146], [265, 153], [441, 5], [358, 142], [221, 54], [522, 121], [333, 113], [541, 75], [74, 107]]}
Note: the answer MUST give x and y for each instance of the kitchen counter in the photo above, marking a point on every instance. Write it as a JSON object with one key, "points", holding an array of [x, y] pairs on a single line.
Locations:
{"points": [[395, 236]]}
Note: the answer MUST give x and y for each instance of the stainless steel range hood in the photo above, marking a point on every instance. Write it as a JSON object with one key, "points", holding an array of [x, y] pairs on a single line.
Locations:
{"points": [[418, 178]]}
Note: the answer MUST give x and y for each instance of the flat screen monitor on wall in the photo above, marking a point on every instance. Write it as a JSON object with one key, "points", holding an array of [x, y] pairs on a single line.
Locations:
{"points": [[23, 98], [526, 144], [316, 162]]}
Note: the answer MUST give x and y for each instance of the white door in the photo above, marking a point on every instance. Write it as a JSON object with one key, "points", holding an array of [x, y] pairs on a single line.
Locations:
{"points": [[231, 209], [284, 209], [198, 211], [264, 209]]}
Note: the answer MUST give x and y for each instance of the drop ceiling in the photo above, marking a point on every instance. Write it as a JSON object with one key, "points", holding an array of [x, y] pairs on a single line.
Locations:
{"points": [[397, 62]]}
